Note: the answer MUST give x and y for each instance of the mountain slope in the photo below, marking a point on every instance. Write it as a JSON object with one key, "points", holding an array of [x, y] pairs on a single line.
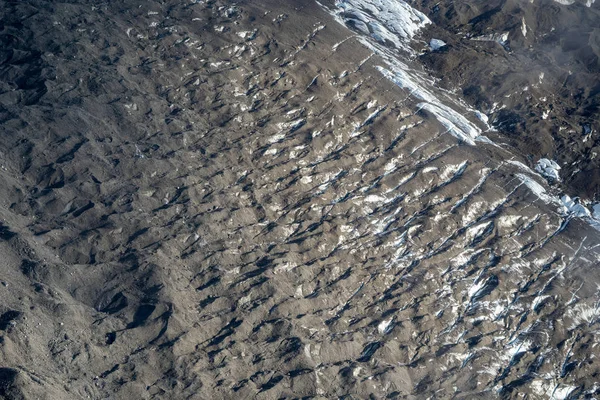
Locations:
{"points": [[233, 200]]}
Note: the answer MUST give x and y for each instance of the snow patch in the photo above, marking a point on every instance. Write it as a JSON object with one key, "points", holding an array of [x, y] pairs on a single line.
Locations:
{"points": [[583, 313], [550, 390], [385, 326], [500, 38]]}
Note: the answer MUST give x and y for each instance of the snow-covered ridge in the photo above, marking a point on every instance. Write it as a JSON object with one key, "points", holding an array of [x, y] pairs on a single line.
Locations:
{"points": [[455, 123]]}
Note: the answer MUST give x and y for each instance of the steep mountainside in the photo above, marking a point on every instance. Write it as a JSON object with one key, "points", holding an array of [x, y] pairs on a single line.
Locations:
{"points": [[533, 67], [261, 199]]}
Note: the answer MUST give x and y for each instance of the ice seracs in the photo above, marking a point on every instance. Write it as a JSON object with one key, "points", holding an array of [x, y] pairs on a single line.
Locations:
{"points": [[436, 44], [394, 22], [549, 169], [574, 208]]}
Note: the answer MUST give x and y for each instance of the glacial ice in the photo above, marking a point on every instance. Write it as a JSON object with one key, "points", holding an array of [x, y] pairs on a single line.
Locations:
{"points": [[436, 44], [548, 168], [386, 21]]}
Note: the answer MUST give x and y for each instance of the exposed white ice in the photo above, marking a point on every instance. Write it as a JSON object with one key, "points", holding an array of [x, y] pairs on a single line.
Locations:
{"points": [[574, 208], [549, 168], [583, 313], [588, 3], [248, 35], [538, 300], [293, 125], [436, 44], [454, 122], [596, 211], [386, 21], [517, 348], [477, 230], [562, 392], [567, 206]]}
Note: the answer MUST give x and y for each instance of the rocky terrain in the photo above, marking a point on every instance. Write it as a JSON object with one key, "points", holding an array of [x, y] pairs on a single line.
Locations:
{"points": [[533, 67], [264, 199]]}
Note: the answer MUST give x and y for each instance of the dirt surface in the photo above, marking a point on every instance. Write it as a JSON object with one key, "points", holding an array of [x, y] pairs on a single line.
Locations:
{"points": [[219, 200]]}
